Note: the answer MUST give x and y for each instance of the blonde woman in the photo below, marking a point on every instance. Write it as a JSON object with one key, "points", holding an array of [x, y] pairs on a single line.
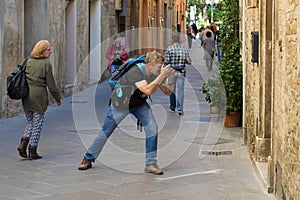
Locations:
{"points": [[39, 77]]}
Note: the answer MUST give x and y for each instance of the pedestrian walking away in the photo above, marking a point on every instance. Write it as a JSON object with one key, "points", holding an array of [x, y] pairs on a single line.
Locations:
{"points": [[195, 29], [39, 76], [177, 56], [213, 28], [145, 79], [219, 45], [190, 36], [209, 50], [200, 33], [203, 34]]}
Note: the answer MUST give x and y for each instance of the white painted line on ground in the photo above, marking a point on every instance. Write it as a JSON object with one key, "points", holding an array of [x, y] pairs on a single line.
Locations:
{"points": [[191, 174]]}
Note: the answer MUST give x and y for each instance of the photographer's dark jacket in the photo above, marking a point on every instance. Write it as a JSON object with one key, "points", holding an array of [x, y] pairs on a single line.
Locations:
{"points": [[130, 78]]}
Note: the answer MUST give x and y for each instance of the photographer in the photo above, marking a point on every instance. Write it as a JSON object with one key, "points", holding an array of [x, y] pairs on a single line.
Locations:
{"points": [[145, 83]]}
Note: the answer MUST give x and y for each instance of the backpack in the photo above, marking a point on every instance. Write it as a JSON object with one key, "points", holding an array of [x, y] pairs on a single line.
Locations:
{"points": [[122, 93], [17, 87]]}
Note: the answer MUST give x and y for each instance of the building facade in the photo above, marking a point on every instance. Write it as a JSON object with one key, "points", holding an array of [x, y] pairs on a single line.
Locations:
{"points": [[143, 24], [80, 32], [72, 27], [158, 19], [270, 51]]}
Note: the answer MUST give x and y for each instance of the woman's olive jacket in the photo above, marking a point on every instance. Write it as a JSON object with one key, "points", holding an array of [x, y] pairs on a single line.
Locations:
{"points": [[39, 76]]}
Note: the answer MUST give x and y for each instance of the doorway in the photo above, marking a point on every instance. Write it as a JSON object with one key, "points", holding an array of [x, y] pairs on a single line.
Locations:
{"points": [[95, 40], [70, 44]]}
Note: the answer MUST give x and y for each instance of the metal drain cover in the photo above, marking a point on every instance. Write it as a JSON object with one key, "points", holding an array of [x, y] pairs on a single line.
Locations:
{"points": [[79, 101], [209, 141], [217, 153]]}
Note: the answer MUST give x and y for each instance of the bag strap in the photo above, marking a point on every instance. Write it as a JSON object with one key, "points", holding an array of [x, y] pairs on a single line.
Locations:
{"points": [[142, 68], [24, 64]]}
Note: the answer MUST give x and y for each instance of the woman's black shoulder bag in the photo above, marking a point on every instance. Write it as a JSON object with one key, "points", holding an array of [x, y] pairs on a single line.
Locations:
{"points": [[17, 87]]}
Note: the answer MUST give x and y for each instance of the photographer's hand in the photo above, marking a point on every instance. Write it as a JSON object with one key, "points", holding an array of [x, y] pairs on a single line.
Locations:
{"points": [[170, 79], [165, 71]]}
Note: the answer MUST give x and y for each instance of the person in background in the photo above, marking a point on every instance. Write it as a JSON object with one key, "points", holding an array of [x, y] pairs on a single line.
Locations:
{"points": [[195, 29], [177, 56], [200, 31], [219, 44], [39, 77], [190, 36], [208, 46], [116, 54], [201, 28], [203, 34], [145, 82], [213, 28]]}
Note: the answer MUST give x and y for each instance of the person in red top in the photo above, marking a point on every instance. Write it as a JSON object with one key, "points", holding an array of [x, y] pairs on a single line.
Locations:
{"points": [[116, 54]]}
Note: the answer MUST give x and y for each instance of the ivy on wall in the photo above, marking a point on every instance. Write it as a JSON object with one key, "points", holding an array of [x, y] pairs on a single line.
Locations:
{"points": [[231, 64]]}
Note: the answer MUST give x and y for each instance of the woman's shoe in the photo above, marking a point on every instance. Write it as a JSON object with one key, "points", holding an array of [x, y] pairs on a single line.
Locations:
{"points": [[22, 148], [33, 154]]}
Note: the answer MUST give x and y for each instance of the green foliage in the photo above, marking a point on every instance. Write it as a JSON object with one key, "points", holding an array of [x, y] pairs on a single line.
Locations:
{"points": [[231, 66], [205, 89], [200, 4], [217, 14], [214, 92]]}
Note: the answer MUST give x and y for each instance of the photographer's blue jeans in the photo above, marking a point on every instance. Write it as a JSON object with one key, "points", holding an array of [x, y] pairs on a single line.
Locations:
{"points": [[113, 118], [179, 86]]}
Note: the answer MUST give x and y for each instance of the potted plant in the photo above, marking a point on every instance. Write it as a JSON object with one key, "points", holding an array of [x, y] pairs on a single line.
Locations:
{"points": [[205, 90], [214, 92], [230, 65]]}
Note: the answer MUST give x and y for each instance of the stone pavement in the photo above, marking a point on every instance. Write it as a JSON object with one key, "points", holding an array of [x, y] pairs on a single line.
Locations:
{"points": [[201, 159]]}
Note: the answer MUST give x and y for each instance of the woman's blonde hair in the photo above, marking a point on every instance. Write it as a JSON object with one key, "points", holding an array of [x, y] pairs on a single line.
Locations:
{"points": [[153, 56], [39, 49]]}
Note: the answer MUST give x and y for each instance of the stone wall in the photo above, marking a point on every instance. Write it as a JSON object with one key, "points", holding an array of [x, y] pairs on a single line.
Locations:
{"points": [[82, 45], [252, 76], [286, 99], [284, 90], [109, 28], [23, 23], [11, 50]]}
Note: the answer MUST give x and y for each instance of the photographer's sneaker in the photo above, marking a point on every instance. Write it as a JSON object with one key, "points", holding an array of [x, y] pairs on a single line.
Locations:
{"points": [[154, 169], [85, 164]]}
